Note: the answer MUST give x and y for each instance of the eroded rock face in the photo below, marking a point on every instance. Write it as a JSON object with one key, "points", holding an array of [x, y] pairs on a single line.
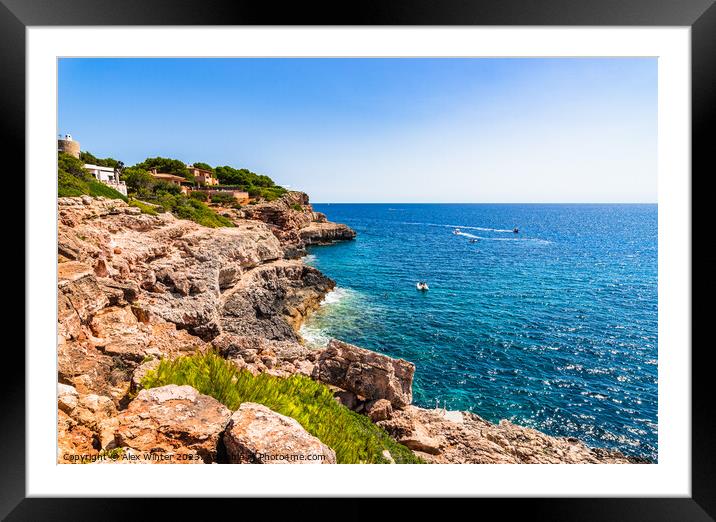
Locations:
{"points": [[463, 437], [259, 355], [296, 225], [203, 280], [258, 435], [326, 233], [100, 344], [73, 439], [368, 374], [173, 420], [273, 300]]}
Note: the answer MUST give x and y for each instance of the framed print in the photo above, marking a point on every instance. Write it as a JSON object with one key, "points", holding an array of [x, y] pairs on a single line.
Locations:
{"points": [[455, 240]]}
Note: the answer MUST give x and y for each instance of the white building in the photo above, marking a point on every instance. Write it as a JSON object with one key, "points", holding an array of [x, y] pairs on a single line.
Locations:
{"points": [[108, 176]]}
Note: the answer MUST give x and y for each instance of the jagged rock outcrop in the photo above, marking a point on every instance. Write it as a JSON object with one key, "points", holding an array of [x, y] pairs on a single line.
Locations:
{"points": [[202, 280], [259, 355], [176, 422], [100, 344], [85, 423], [273, 300], [368, 374], [74, 441], [463, 437], [296, 225], [257, 435]]}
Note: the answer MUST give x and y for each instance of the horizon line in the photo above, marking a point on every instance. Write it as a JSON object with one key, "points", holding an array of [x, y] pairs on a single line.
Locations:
{"points": [[483, 203]]}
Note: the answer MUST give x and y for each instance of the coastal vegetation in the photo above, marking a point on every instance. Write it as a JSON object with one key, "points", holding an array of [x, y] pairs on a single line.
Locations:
{"points": [[88, 157], [353, 437], [185, 207], [223, 198], [74, 180], [166, 166], [257, 185]]}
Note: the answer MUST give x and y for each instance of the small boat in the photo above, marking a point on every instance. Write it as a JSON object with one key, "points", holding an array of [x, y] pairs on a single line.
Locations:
{"points": [[473, 241], [516, 230], [456, 231], [422, 286]]}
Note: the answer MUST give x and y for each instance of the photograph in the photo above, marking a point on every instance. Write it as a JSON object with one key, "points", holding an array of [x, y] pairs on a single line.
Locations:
{"points": [[357, 260]]}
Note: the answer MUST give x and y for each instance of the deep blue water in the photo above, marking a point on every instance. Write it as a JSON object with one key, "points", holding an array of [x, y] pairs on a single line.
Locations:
{"points": [[553, 328]]}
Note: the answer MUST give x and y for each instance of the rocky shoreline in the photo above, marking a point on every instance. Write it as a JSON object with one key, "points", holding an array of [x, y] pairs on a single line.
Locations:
{"points": [[135, 288]]}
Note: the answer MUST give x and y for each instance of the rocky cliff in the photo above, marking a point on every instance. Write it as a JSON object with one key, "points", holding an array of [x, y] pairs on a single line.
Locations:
{"points": [[295, 223], [134, 289]]}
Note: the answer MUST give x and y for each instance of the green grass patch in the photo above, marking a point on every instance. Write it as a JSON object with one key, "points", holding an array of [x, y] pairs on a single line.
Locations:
{"points": [[266, 193], [145, 207], [74, 180], [353, 437], [192, 209]]}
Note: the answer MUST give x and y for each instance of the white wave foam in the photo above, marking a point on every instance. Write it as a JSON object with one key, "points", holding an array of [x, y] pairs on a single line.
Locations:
{"points": [[309, 259], [314, 336], [335, 296]]}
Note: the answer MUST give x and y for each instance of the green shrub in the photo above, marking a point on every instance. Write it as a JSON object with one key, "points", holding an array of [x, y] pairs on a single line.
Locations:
{"points": [[69, 185], [88, 157], [144, 207], [201, 196], [97, 188], [166, 166], [267, 193], [297, 207], [74, 180], [353, 437], [192, 209], [223, 197]]}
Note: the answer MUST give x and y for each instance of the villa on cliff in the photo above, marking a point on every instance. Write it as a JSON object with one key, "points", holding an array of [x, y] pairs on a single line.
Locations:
{"points": [[183, 183], [204, 180], [202, 177], [107, 175]]}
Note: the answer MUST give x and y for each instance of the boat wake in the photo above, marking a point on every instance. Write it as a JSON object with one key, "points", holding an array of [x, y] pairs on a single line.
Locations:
{"points": [[484, 229], [482, 238]]}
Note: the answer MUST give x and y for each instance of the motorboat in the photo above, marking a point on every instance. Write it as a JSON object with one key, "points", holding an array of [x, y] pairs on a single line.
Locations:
{"points": [[422, 286], [516, 230], [456, 231], [473, 240]]}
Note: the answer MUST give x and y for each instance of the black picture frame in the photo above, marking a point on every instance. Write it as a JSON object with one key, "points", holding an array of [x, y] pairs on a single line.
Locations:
{"points": [[699, 15]]}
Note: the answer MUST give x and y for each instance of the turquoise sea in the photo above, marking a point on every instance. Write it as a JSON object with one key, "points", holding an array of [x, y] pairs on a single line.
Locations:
{"points": [[553, 328]]}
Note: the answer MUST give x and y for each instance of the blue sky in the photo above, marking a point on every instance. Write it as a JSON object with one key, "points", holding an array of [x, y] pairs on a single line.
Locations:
{"points": [[383, 130]]}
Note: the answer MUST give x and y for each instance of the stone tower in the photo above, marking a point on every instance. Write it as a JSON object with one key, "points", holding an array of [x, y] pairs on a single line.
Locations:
{"points": [[68, 145]]}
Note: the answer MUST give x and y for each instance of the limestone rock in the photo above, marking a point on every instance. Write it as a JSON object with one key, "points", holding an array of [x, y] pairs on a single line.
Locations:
{"points": [[173, 420], [73, 440], [67, 397], [443, 437], [296, 225], [79, 291], [258, 355], [379, 410], [258, 435], [272, 300], [369, 374]]}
